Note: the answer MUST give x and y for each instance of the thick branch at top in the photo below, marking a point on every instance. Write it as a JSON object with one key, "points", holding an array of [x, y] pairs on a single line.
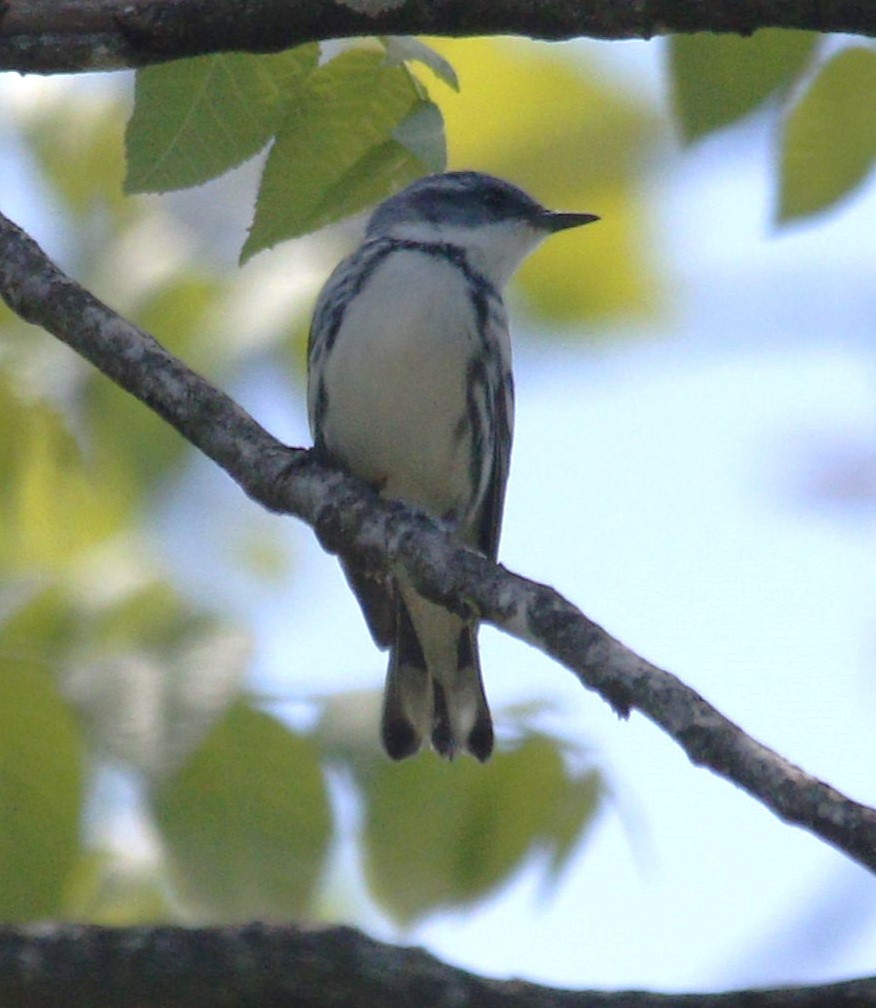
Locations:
{"points": [[58, 36]]}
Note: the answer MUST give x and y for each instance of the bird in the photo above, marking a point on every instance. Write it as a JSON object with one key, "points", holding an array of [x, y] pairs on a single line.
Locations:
{"points": [[410, 388]]}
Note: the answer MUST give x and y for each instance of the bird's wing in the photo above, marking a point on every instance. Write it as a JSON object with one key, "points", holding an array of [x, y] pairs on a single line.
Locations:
{"points": [[376, 594], [490, 517]]}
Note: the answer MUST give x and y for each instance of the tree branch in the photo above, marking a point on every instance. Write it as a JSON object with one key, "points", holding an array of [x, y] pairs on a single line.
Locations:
{"points": [[345, 513], [68, 966], [63, 36]]}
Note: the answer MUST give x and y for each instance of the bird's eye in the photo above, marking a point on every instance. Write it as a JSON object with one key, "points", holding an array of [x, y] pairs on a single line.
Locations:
{"points": [[498, 201]]}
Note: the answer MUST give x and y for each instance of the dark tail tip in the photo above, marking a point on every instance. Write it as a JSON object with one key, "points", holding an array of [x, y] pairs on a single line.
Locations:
{"points": [[400, 739], [480, 739]]}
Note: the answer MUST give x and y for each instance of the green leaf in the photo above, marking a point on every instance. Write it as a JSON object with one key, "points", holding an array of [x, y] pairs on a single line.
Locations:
{"points": [[403, 48], [40, 792], [829, 142], [718, 79], [422, 133], [38, 620], [246, 822], [196, 118], [335, 137], [439, 835]]}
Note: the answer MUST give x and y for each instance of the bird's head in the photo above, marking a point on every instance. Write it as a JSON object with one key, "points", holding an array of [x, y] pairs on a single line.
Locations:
{"points": [[495, 222]]}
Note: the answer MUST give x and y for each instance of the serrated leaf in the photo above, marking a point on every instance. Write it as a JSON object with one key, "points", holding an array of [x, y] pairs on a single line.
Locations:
{"points": [[335, 134], [246, 822], [195, 118], [400, 48], [442, 836], [40, 792], [717, 79], [829, 141]]}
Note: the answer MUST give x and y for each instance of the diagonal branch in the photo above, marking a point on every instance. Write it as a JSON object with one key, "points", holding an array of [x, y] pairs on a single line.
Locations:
{"points": [[60, 36], [345, 513]]}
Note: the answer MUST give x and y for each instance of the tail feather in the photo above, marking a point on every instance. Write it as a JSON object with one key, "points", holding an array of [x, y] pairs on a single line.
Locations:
{"points": [[433, 685], [461, 717], [407, 696]]}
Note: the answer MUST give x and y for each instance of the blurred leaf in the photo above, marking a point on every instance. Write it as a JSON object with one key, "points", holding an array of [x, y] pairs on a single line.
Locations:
{"points": [[177, 308], [829, 143], [40, 629], [196, 118], [569, 816], [576, 143], [50, 509], [717, 79], [336, 135], [116, 892], [246, 822], [401, 48], [264, 550], [559, 274], [348, 729], [79, 150], [149, 700], [439, 835], [40, 792]]}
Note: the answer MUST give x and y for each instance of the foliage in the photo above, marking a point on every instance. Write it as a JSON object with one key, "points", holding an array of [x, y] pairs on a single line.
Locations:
{"points": [[475, 828], [828, 141], [342, 133], [347, 132], [829, 145], [99, 654]]}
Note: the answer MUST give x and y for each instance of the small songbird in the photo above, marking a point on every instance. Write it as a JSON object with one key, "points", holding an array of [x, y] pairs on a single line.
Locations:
{"points": [[410, 388]]}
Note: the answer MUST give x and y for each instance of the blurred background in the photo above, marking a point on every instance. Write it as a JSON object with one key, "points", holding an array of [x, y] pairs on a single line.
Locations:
{"points": [[694, 466]]}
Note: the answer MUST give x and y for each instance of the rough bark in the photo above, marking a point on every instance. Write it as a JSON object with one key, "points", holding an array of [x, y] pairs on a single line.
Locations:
{"points": [[68, 36], [264, 966]]}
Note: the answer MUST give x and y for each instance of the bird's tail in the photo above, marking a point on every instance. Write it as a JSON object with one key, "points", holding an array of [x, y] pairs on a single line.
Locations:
{"points": [[433, 684]]}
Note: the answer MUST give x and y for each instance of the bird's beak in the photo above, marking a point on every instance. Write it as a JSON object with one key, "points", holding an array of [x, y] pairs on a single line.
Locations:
{"points": [[555, 221]]}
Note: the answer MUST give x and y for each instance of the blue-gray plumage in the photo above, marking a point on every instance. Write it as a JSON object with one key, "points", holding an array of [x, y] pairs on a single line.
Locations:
{"points": [[410, 388]]}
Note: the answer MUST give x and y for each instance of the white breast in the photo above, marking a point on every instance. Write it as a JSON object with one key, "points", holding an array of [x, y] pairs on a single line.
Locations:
{"points": [[396, 382]]}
